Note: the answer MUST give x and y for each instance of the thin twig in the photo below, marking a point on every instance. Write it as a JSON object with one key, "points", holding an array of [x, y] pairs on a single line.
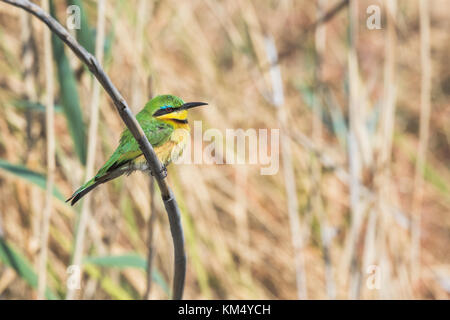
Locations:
{"points": [[297, 44], [50, 128], [93, 125], [130, 121], [327, 16]]}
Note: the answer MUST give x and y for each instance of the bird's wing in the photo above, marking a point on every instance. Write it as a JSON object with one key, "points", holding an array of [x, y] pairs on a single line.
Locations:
{"points": [[157, 133]]}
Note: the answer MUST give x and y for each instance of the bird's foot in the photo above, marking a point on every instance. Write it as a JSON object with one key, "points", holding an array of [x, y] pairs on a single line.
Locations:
{"points": [[163, 171]]}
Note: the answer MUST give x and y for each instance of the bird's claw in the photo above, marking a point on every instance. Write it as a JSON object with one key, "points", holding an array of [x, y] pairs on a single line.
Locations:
{"points": [[163, 171]]}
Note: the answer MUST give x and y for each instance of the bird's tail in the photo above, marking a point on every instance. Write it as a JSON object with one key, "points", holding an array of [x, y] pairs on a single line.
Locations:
{"points": [[84, 189], [91, 184]]}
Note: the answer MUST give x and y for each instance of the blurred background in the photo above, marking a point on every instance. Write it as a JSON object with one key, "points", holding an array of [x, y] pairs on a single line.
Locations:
{"points": [[358, 210]]}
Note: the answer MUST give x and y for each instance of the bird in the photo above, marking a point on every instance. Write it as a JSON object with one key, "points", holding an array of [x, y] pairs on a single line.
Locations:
{"points": [[165, 124]]}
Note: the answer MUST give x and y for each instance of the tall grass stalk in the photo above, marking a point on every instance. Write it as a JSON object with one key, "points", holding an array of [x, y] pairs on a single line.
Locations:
{"points": [[93, 127], [425, 110], [151, 247], [29, 60], [136, 80], [288, 170], [50, 127], [385, 144], [354, 156], [320, 44]]}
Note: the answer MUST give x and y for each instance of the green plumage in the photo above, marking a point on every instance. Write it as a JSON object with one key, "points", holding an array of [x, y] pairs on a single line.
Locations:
{"points": [[121, 161]]}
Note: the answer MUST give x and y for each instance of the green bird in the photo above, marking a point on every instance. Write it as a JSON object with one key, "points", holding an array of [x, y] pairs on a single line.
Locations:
{"points": [[160, 119]]}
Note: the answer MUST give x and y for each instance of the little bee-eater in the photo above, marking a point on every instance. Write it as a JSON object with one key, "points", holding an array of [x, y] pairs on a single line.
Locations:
{"points": [[160, 119]]}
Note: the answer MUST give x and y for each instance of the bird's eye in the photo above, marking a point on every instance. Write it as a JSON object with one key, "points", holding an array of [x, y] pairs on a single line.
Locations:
{"points": [[164, 110], [167, 109]]}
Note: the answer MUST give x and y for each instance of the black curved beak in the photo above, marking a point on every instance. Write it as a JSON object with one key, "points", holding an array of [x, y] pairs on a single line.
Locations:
{"points": [[190, 105]]}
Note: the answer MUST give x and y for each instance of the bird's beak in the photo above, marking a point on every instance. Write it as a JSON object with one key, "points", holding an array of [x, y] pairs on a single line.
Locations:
{"points": [[190, 105], [185, 106]]}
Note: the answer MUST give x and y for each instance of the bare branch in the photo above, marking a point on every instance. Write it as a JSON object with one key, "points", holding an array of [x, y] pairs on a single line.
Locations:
{"points": [[130, 121]]}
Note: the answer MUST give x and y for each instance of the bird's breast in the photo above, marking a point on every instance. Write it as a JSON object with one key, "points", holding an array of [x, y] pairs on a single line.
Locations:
{"points": [[169, 151], [173, 148]]}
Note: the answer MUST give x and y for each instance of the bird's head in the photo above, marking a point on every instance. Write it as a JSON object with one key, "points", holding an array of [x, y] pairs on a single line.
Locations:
{"points": [[171, 108]]}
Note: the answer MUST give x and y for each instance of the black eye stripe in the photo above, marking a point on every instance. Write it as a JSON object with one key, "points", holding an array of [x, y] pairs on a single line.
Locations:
{"points": [[164, 110]]}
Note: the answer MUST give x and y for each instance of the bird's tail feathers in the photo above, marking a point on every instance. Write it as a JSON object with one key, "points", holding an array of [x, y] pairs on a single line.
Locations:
{"points": [[91, 184]]}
